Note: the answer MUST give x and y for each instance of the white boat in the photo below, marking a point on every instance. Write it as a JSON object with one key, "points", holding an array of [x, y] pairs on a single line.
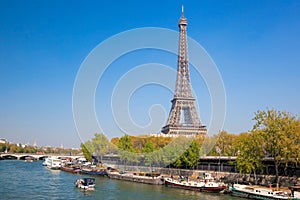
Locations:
{"points": [[208, 184], [256, 192], [52, 163], [85, 183]]}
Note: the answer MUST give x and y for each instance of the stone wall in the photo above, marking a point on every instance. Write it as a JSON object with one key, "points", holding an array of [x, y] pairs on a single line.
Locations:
{"points": [[264, 180]]}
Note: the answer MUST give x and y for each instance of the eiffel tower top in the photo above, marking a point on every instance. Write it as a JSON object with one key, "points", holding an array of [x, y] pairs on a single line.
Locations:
{"points": [[183, 85], [182, 20]]}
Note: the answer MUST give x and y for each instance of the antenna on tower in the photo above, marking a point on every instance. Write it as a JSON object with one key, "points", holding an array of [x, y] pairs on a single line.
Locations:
{"points": [[182, 10]]}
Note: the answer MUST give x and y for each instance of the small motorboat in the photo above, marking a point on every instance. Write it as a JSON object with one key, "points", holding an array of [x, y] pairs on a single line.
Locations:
{"points": [[85, 183]]}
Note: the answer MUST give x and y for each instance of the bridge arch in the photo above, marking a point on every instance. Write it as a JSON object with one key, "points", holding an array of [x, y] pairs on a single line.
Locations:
{"points": [[10, 157], [24, 156]]}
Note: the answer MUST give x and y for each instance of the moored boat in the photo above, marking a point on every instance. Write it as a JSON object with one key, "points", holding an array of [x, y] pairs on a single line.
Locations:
{"points": [[256, 192], [94, 171], [71, 169], [85, 183], [139, 177], [52, 163], [208, 184]]}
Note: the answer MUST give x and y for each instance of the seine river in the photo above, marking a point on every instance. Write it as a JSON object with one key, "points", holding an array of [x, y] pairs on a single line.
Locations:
{"points": [[25, 180]]}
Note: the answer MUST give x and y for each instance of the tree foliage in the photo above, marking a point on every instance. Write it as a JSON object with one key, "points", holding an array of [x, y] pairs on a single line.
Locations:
{"points": [[125, 143], [191, 156], [225, 144], [279, 136], [250, 155], [87, 154], [275, 135], [149, 147]]}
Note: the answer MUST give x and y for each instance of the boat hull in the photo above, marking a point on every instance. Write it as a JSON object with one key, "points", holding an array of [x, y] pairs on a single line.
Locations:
{"points": [[136, 178], [254, 196], [258, 193], [52, 163], [70, 169], [100, 173], [193, 187], [53, 168]]}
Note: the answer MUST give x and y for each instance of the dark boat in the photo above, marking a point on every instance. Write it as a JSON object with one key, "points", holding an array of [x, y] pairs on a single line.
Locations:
{"points": [[206, 185], [94, 171], [139, 177]]}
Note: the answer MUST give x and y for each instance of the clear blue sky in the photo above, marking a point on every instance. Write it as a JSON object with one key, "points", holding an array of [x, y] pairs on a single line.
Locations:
{"points": [[255, 45]]}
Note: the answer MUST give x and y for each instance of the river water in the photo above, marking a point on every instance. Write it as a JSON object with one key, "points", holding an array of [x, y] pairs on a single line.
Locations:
{"points": [[25, 180]]}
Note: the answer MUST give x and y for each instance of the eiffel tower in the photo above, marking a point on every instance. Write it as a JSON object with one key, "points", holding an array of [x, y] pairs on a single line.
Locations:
{"points": [[183, 118]]}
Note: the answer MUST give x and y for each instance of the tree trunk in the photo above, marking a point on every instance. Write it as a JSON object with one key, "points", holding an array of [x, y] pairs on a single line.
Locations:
{"points": [[255, 179], [276, 172]]}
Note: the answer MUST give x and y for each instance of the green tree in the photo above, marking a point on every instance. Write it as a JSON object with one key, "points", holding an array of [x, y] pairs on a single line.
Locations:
{"points": [[2, 147], [170, 154], [29, 149], [156, 157], [149, 147], [192, 154], [100, 145], [250, 155], [126, 151], [190, 157], [147, 152], [225, 143], [280, 136], [125, 143], [13, 149], [87, 154]]}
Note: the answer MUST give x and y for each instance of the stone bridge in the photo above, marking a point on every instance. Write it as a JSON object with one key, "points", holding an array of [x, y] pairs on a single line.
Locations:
{"points": [[22, 156]]}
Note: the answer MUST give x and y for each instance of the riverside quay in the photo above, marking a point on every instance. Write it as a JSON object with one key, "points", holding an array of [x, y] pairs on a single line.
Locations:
{"points": [[216, 163]]}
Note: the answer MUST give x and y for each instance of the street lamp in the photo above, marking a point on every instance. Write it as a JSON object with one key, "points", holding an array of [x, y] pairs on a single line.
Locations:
{"points": [[219, 152]]}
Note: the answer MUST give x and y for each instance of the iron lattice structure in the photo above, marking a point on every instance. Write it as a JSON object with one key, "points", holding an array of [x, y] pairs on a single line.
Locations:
{"points": [[183, 118]]}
